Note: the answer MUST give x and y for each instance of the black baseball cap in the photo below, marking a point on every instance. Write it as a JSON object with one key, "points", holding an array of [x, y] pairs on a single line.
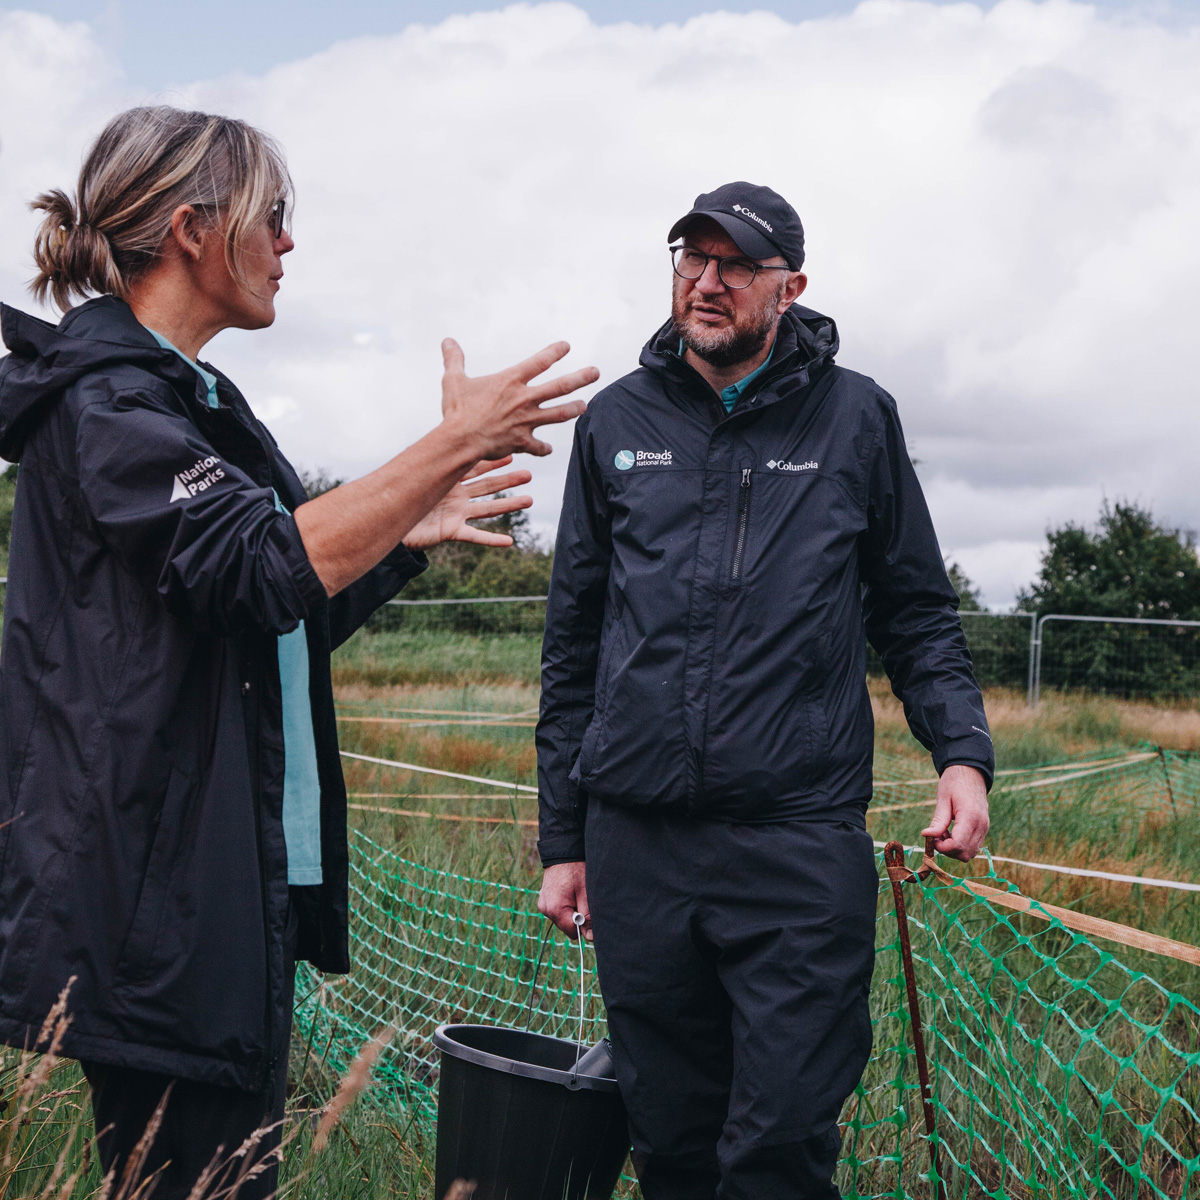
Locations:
{"points": [[761, 222]]}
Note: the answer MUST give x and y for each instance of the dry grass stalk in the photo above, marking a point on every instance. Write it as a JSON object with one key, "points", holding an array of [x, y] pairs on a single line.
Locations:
{"points": [[54, 1029], [67, 1191], [56, 1174], [32, 1077], [132, 1185], [353, 1084]]}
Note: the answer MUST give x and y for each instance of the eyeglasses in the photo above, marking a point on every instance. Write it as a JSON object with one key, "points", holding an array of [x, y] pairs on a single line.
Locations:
{"points": [[733, 272], [277, 215]]}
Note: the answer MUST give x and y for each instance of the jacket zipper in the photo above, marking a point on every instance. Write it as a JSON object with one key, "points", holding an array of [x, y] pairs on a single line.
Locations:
{"points": [[743, 522]]}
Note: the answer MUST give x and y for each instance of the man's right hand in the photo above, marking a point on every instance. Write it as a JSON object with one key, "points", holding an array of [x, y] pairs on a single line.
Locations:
{"points": [[502, 410], [563, 894]]}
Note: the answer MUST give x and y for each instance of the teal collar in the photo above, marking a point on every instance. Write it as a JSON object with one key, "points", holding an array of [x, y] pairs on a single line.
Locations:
{"points": [[210, 380], [734, 392]]}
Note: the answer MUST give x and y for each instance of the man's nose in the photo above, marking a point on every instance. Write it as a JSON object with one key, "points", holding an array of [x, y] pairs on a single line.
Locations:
{"points": [[710, 282]]}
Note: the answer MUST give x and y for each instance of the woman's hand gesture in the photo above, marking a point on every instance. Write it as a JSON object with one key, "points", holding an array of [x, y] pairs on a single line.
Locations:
{"points": [[447, 520]]}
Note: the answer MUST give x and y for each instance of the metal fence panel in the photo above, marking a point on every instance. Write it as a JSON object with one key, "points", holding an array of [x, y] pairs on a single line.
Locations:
{"points": [[1001, 646], [1130, 657]]}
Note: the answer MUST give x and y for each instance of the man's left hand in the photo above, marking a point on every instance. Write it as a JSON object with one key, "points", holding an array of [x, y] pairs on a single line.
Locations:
{"points": [[447, 520], [961, 802]]}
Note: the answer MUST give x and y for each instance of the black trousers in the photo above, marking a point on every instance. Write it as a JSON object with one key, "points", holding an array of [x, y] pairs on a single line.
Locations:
{"points": [[201, 1123], [735, 963]]}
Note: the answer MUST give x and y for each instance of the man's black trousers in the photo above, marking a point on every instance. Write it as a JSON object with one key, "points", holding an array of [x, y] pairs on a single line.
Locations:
{"points": [[735, 963], [201, 1123]]}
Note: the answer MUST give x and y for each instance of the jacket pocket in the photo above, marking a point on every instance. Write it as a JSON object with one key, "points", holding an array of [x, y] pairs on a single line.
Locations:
{"points": [[137, 955], [611, 648], [741, 530], [817, 746]]}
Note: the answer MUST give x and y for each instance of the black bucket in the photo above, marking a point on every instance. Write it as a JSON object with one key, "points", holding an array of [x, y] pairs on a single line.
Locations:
{"points": [[523, 1117]]}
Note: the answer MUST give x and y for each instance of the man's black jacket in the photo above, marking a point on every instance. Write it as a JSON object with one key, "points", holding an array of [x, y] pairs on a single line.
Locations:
{"points": [[141, 736], [704, 646]]}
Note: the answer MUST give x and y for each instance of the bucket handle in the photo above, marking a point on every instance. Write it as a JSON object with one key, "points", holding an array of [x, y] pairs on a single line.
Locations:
{"points": [[537, 970], [578, 919]]}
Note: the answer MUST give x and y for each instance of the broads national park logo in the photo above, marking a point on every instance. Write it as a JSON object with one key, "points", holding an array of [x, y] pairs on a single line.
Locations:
{"points": [[199, 477], [641, 458]]}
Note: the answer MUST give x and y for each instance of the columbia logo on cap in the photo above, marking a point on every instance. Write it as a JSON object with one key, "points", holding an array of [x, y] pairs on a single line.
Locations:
{"points": [[737, 208]]}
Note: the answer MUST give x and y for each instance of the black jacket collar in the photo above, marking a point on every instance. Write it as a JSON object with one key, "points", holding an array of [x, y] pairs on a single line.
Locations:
{"points": [[805, 344], [101, 334]]}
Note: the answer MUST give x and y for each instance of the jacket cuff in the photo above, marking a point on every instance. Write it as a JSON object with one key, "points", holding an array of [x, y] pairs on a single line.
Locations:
{"points": [[985, 769], [308, 583], [407, 564], [561, 848]]}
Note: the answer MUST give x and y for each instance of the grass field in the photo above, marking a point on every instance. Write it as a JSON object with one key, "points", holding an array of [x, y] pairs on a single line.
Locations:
{"points": [[402, 697], [384, 677]]}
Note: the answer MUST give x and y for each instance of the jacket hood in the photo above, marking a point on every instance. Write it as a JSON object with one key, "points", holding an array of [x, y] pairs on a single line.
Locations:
{"points": [[46, 359], [805, 343]]}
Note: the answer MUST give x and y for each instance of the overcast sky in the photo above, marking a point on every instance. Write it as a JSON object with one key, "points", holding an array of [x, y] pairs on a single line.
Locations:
{"points": [[1001, 206]]}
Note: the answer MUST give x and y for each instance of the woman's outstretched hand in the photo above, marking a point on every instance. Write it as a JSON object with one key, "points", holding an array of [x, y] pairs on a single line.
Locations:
{"points": [[447, 520], [431, 489], [503, 410]]}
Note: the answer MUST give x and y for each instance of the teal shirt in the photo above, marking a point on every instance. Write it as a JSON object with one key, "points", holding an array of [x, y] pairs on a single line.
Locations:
{"points": [[301, 785], [734, 392]]}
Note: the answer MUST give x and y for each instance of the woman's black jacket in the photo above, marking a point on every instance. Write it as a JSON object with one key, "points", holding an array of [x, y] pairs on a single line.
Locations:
{"points": [[141, 736]]}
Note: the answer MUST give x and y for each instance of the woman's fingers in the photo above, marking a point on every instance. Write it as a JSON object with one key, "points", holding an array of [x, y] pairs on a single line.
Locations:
{"points": [[452, 358], [481, 537], [564, 385], [543, 360], [496, 483], [487, 464], [484, 510], [559, 413]]}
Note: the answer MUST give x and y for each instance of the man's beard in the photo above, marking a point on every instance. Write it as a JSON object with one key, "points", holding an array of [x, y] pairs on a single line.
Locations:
{"points": [[731, 344]]}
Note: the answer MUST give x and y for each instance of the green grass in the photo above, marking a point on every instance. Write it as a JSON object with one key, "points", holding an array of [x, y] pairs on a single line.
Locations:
{"points": [[401, 658], [371, 1155], [1002, 998]]}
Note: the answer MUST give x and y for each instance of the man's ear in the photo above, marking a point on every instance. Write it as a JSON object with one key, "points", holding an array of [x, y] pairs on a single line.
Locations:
{"points": [[797, 282], [186, 232]]}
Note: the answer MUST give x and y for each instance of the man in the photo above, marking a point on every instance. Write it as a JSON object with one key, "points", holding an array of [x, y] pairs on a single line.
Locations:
{"points": [[736, 511]]}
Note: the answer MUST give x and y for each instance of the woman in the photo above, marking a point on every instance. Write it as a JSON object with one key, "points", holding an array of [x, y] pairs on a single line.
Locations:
{"points": [[175, 808]]}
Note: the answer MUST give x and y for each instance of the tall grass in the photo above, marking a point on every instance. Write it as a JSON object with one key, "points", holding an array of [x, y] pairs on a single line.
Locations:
{"points": [[394, 658], [386, 1150], [332, 1149]]}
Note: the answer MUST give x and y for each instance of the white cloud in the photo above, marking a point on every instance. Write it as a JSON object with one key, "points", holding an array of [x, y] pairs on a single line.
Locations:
{"points": [[1000, 210]]}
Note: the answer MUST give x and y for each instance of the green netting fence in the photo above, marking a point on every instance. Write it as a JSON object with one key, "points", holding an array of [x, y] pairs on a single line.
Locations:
{"points": [[1061, 1068]]}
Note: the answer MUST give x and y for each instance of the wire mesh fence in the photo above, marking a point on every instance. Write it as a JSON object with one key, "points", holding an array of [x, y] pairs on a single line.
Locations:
{"points": [[1126, 657], [476, 616], [1132, 658], [1059, 1070]]}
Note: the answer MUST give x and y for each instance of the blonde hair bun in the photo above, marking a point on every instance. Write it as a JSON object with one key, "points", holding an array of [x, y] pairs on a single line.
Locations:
{"points": [[143, 166]]}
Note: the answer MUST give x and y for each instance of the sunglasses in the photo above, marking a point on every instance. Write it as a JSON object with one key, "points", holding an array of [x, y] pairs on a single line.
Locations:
{"points": [[278, 213]]}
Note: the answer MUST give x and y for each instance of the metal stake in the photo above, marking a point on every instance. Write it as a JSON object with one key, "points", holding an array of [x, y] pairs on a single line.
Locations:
{"points": [[898, 872]]}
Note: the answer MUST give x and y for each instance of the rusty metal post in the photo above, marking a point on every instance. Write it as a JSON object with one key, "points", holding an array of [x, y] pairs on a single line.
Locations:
{"points": [[898, 873]]}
